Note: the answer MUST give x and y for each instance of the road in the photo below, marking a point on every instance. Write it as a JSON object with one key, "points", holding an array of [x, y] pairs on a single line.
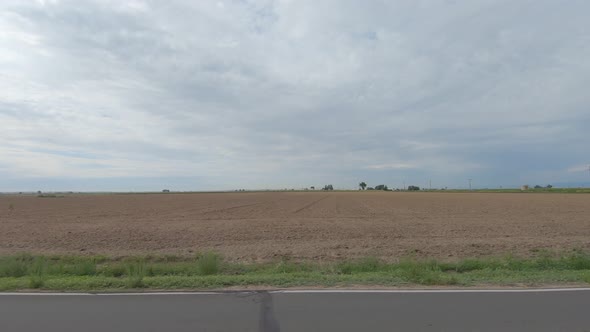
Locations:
{"points": [[300, 311]]}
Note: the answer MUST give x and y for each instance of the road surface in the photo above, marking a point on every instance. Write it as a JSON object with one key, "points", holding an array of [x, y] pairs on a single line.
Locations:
{"points": [[301, 311]]}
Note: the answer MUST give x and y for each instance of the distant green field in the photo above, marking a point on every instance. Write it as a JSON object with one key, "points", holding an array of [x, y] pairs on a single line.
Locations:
{"points": [[531, 190], [209, 271], [504, 190]]}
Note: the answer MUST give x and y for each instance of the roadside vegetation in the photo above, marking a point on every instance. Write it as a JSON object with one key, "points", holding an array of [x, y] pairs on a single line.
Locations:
{"points": [[210, 271]]}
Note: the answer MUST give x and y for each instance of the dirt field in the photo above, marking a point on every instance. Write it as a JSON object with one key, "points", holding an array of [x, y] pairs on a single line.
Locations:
{"points": [[299, 225]]}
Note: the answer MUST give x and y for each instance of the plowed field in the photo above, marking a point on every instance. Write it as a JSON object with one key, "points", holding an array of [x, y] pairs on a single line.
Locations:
{"points": [[264, 226]]}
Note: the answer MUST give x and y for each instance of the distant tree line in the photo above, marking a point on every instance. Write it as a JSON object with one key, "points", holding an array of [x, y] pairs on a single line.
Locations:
{"points": [[381, 187], [363, 186]]}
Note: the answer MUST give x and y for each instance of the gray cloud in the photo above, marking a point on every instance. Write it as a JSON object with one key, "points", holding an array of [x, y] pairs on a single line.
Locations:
{"points": [[288, 94]]}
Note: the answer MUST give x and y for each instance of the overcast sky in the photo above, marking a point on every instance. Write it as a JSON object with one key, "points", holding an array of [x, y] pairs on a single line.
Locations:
{"points": [[213, 95]]}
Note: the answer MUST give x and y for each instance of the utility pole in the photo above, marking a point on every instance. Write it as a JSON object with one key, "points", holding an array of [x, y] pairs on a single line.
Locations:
{"points": [[469, 184], [404, 188], [430, 184]]}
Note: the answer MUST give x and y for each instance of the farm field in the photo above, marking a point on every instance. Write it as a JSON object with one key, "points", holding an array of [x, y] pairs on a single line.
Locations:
{"points": [[266, 226]]}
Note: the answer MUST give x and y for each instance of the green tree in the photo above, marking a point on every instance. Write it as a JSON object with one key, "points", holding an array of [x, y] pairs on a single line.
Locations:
{"points": [[363, 185]]}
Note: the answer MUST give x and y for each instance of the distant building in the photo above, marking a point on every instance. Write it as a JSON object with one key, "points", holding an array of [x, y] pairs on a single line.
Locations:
{"points": [[524, 187]]}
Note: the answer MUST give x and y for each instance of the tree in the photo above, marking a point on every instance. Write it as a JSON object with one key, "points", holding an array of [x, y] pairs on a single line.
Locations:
{"points": [[549, 186], [312, 188], [363, 185], [413, 188], [328, 187], [381, 187]]}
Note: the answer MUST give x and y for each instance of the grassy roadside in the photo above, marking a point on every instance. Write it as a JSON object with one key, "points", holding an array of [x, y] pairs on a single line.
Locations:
{"points": [[209, 271]]}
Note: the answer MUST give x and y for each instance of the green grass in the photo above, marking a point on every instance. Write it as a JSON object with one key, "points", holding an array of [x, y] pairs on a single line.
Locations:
{"points": [[209, 271]]}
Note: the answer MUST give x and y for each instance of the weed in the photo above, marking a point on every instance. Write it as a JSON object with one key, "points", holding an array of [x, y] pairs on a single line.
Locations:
{"points": [[37, 272], [36, 282], [171, 258], [208, 264], [451, 280], [285, 266], [83, 268], [135, 282], [577, 261], [112, 270], [135, 274], [428, 272], [15, 266], [367, 264], [470, 265]]}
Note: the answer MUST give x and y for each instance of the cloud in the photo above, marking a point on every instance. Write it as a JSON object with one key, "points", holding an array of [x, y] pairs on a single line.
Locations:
{"points": [[579, 168], [392, 166], [282, 93]]}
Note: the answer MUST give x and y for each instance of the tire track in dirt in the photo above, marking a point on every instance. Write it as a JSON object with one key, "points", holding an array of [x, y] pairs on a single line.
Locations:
{"points": [[233, 207], [307, 206], [242, 206]]}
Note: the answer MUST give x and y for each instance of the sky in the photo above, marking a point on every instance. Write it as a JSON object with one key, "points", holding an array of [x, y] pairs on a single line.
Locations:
{"points": [[220, 95]]}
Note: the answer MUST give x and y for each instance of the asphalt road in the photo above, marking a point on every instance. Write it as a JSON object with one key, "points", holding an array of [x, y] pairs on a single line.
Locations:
{"points": [[305, 311]]}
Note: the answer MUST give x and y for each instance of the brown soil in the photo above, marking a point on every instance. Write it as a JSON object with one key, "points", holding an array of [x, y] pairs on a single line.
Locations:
{"points": [[300, 225]]}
